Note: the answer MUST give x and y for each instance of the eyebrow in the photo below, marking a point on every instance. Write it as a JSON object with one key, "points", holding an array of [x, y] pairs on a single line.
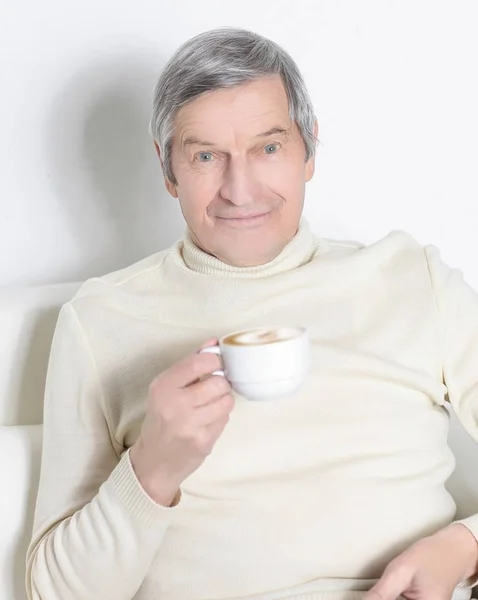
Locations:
{"points": [[194, 141], [273, 131]]}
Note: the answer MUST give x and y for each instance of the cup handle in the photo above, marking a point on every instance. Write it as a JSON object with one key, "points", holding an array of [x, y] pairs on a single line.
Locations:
{"points": [[213, 350]]}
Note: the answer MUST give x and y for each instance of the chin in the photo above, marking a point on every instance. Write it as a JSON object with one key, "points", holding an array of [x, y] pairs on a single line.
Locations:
{"points": [[255, 241]]}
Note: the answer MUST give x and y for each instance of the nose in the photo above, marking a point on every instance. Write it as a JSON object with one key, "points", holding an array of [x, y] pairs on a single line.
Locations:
{"points": [[239, 185]]}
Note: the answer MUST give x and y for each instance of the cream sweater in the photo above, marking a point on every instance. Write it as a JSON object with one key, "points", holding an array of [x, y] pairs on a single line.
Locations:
{"points": [[308, 496]]}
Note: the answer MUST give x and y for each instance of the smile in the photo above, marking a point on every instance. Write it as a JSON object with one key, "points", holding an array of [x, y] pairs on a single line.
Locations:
{"points": [[246, 221]]}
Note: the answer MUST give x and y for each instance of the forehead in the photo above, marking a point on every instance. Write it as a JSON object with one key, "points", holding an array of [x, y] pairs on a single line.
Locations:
{"points": [[246, 109]]}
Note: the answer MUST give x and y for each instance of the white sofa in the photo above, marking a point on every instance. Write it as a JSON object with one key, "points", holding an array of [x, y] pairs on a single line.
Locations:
{"points": [[27, 320]]}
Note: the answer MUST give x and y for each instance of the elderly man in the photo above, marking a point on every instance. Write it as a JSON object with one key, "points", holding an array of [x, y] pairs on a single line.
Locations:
{"points": [[160, 482]]}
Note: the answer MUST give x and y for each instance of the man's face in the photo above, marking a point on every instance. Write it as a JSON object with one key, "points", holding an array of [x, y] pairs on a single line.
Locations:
{"points": [[240, 168]]}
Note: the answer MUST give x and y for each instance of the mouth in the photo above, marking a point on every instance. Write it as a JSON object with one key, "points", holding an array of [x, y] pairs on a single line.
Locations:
{"points": [[245, 221]]}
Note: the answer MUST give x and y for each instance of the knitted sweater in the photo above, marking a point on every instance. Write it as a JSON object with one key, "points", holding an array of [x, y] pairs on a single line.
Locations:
{"points": [[305, 496]]}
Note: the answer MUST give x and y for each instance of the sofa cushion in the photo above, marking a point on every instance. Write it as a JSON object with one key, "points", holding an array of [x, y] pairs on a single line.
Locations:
{"points": [[27, 320], [20, 449]]}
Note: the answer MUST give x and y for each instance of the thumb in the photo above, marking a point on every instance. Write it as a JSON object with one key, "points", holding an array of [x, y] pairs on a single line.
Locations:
{"points": [[393, 582]]}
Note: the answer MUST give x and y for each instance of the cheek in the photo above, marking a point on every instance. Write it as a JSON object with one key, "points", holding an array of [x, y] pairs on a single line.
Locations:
{"points": [[196, 192], [284, 177]]}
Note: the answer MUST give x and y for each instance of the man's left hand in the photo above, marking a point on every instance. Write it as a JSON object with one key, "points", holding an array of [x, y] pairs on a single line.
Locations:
{"points": [[431, 568]]}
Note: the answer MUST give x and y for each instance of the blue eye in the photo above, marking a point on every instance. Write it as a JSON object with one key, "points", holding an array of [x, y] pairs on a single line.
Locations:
{"points": [[204, 156], [271, 148]]}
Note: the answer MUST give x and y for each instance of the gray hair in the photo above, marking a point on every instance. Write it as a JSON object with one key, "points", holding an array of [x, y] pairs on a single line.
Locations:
{"points": [[223, 58]]}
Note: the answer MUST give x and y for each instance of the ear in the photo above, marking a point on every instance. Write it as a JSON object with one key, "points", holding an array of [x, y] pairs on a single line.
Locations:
{"points": [[310, 164], [171, 187]]}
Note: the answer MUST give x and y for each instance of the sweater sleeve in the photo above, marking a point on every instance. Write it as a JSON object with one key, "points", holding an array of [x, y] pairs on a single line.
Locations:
{"points": [[458, 306], [95, 530]]}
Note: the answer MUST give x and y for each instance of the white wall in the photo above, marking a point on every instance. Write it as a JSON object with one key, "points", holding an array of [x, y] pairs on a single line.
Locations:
{"points": [[394, 83]]}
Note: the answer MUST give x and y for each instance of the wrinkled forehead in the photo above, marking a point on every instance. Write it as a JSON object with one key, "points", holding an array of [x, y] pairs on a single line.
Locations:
{"points": [[243, 111]]}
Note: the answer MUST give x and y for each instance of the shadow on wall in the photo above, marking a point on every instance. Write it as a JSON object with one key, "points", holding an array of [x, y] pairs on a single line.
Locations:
{"points": [[104, 170]]}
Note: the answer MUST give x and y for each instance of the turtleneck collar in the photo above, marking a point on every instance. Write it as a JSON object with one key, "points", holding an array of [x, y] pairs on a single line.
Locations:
{"points": [[299, 251]]}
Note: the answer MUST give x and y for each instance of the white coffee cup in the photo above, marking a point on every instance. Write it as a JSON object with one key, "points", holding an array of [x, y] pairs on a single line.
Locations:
{"points": [[264, 362]]}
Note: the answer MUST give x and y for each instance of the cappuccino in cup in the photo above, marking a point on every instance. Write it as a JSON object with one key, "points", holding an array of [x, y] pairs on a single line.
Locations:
{"points": [[266, 335], [264, 362]]}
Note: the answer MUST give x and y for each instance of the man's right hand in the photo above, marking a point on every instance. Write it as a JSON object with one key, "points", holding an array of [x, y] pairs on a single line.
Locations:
{"points": [[185, 415]]}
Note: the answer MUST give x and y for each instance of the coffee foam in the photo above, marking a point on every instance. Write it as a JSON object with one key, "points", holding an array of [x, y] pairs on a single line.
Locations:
{"points": [[256, 337]]}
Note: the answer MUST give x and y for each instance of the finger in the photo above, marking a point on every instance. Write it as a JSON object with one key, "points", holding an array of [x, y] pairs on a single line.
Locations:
{"points": [[208, 390], [193, 367], [394, 581], [208, 343], [215, 429], [215, 413]]}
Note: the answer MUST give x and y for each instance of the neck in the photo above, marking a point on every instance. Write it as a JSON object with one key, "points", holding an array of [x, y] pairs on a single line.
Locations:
{"points": [[297, 252], [254, 262]]}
